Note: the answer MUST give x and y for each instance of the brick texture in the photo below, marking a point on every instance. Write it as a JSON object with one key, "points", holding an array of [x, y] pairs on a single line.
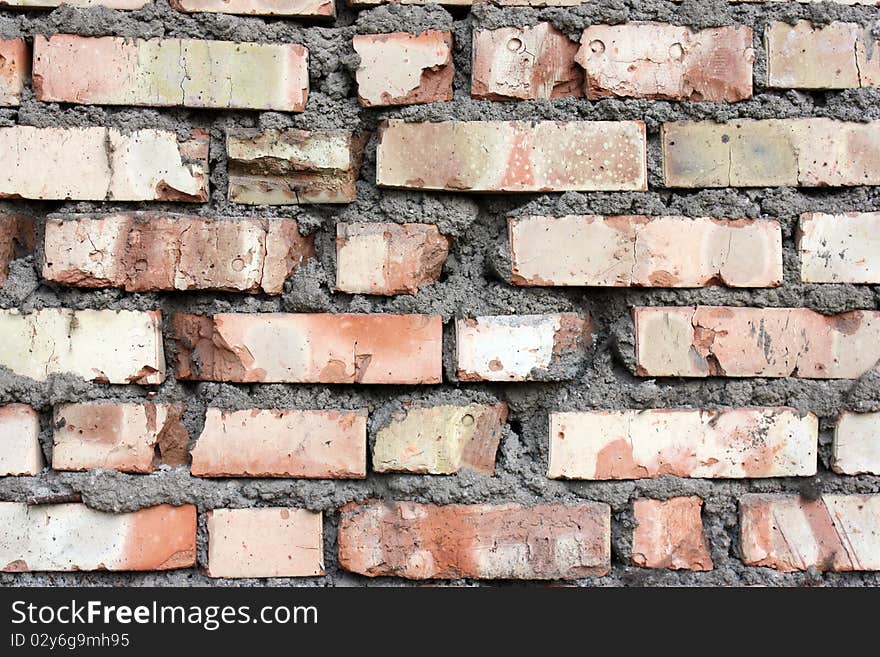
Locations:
{"points": [[669, 534], [16, 238], [20, 451], [839, 248], [304, 8], [856, 448], [420, 541], [14, 67]]}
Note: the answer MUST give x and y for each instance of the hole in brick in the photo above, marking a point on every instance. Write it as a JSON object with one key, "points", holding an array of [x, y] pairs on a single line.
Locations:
{"points": [[467, 420], [597, 46], [676, 51], [515, 45]]}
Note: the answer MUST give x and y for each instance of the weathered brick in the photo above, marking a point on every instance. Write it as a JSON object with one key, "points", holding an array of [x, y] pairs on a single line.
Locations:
{"points": [[441, 439], [271, 542], [857, 444], [404, 69], [103, 164], [423, 541], [840, 248], [282, 443], [108, 346], [170, 72], [304, 8], [14, 67], [624, 251], [20, 451], [524, 63], [50, 4], [513, 156], [734, 443], [770, 342], [274, 167], [834, 56], [657, 60], [16, 235], [387, 258], [70, 537], [143, 251], [669, 534], [832, 532], [124, 437], [309, 348], [811, 152], [521, 347], [466, 3]]}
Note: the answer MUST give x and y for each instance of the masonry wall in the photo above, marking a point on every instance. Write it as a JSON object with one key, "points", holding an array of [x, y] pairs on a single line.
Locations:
{"points": [[475, 294]]}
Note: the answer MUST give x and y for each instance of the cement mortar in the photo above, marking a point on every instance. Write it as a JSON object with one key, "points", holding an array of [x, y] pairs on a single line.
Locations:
{"points": [[474, 282]]}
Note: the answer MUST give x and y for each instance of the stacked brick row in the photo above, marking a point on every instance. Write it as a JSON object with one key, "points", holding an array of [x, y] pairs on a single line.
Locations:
{"points": [[203, 230]]}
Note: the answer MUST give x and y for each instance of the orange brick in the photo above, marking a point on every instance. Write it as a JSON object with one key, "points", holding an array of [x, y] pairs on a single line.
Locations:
{"points": [[272, 542], [282, 443], [669, 534], [770, 342], [72, 537], [309, 348], [14, 68], [404, 69], [304, 8], [423, 541], [16, 234], [524, 63]]}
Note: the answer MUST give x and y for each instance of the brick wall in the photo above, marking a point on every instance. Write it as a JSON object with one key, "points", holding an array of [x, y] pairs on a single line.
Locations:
{"points": [[316, 294]]}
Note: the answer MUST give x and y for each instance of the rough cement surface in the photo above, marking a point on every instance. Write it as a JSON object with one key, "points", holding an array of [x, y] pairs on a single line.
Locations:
{"points": [[473, 283]]}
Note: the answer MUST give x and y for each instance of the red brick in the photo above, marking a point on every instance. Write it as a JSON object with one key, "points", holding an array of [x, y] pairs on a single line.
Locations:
{"points": [[274, 167], [14, 68], [170, 72], [309, 348], [124, 437], [145, 251], [513, 156], [387, 259], [282, 443], [521, 347], [73, 537], [103, 164], [832, 532], [839, 248], [623, 251], [669, 534], [16, 234], [404, 69], [423, 541], [20, 450], [304, 8], [50, 4], [769, 342], [656, 60], [272, 542], [524, 63]]}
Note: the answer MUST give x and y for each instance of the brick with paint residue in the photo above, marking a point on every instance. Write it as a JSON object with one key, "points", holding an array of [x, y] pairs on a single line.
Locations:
{"points": [[807, 152], [289, 167], [701, 341], [14, 67], [513, 156], [524, 63], [735, 443], [424, 541], [293, 8], [669, 534], [309, 348], [856, 448], [147, 251], [103, 164], [20, 451], [521, 347], [831, 532], [839, 248], [170, 72], [442, 439], [16, 236], [623, 251], [125, 437], [834, 56], [282, 443], [387, 258], [657, 60], [273, 542], [404, 69], [72, 537], [108, 346]]}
